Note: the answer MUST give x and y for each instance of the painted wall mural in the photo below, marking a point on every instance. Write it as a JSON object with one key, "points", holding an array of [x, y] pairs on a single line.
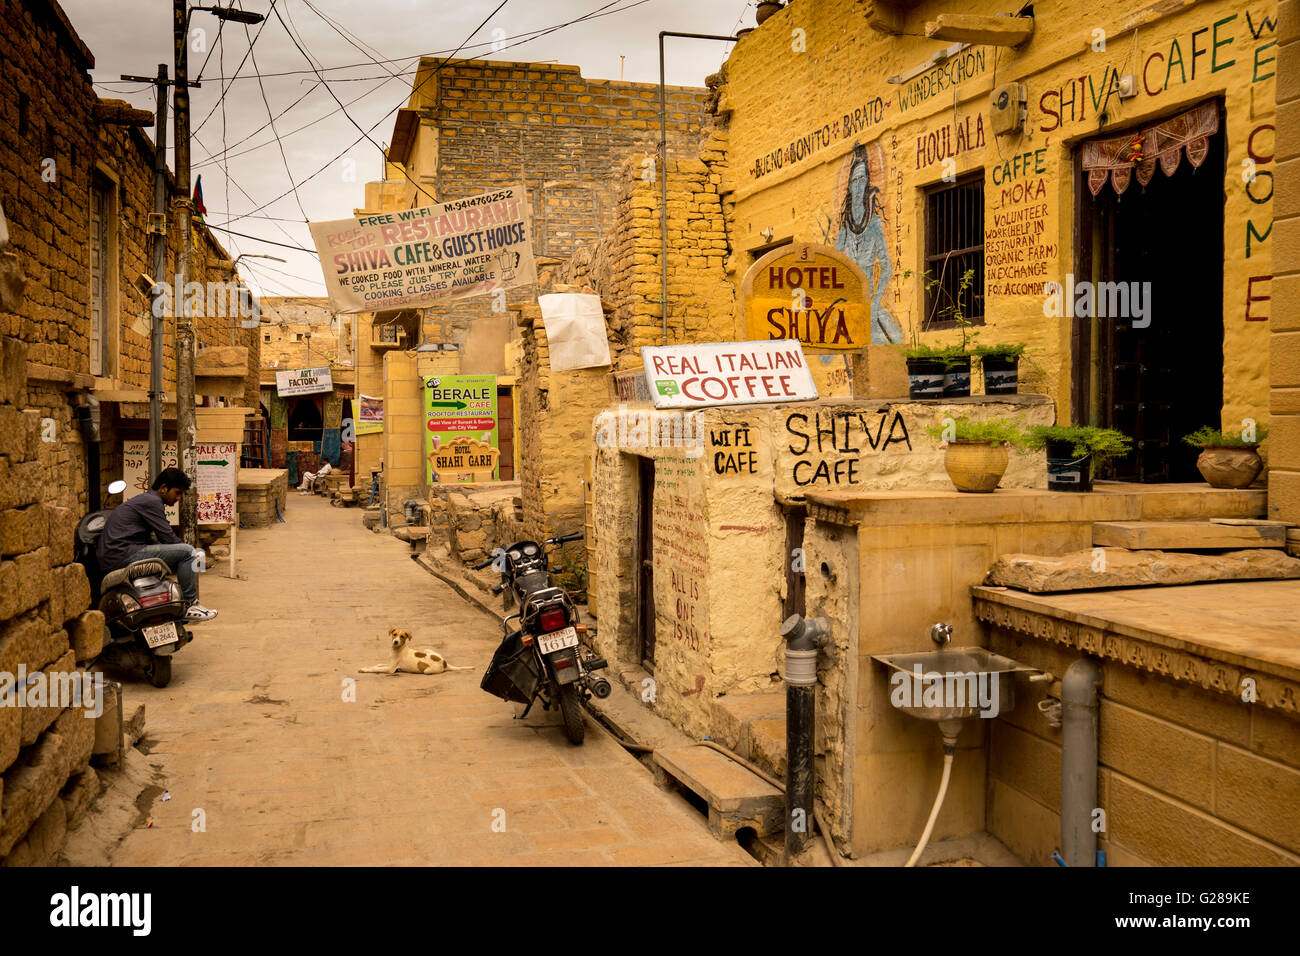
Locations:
{"points": [[861, 232]]}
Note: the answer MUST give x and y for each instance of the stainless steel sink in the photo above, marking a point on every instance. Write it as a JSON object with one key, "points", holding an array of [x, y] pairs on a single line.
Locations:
{"points": [[952, 683]]}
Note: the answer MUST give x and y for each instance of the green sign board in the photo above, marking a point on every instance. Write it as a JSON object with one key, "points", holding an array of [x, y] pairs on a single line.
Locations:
{"points": [[460, 434]]}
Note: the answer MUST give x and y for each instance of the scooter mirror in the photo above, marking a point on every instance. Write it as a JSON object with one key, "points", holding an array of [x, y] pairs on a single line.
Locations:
{"points": [[116, 487]]}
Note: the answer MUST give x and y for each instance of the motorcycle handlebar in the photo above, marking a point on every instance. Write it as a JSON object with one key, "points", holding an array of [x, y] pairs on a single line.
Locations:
{"points": [[560, 539], [485, 564]]}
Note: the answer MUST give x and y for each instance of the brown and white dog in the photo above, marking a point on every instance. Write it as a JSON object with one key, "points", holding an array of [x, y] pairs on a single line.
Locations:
{"points": [[412, 660]]}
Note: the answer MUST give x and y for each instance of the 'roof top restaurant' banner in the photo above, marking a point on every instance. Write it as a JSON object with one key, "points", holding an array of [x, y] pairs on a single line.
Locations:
{"points": [[412, 258]]}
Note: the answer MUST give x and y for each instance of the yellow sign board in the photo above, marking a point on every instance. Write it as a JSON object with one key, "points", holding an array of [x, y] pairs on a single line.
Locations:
{"points": [[463, 460], [808, 292]]}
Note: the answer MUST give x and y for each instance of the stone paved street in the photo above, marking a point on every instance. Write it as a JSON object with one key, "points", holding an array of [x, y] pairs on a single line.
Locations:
{"points": [[254, 731]]}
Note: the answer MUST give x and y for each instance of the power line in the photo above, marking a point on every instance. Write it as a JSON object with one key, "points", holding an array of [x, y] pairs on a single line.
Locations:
{"points": [[271, 118], [597, 12], [269, 242], [384, 80], [225, 89]]}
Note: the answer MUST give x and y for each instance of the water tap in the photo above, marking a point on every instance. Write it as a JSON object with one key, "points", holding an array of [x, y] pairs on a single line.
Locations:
{"points": [[941, 633]]}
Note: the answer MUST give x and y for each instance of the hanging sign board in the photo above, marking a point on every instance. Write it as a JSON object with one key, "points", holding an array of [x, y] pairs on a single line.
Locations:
{"points": [[414, 258], [460, 417], [727, 373], [808, 292], [303, 381]]}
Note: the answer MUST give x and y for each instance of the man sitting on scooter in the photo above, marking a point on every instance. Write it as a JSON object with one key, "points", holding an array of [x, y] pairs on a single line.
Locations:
{"points": [[134, 524]]}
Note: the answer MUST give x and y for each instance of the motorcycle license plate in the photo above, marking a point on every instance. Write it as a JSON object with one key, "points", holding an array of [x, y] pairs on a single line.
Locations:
{"points": [[557, 640], [161, 634]]}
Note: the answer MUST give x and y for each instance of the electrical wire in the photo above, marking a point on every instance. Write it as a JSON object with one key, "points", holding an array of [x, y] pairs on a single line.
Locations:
{"points": [[271, 118], [430, 76], [385, 80], [269, 242], [225, 89]]}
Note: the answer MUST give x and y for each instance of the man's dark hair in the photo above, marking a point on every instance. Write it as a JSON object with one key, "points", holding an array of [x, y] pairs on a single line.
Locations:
{"points": [[172, 478]]}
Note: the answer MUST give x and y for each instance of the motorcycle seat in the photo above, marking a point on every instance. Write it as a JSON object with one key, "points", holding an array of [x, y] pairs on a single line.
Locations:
{"points": [[136, 569]]}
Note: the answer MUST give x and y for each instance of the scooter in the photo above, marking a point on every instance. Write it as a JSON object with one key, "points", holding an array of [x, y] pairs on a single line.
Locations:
{"points": [[144, 610], [542, 658]]}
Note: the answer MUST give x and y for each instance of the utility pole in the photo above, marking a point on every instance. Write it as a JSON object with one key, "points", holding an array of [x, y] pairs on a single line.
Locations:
{"points": [[184, 325], [184, 321], [158, 227]]}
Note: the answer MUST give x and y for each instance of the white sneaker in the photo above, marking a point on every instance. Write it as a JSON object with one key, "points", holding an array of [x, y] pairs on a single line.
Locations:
{"points": [[197, 613]]}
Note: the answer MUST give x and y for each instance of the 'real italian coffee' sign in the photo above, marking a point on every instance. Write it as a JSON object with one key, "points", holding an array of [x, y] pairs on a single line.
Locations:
{"points": [[808, 292]]}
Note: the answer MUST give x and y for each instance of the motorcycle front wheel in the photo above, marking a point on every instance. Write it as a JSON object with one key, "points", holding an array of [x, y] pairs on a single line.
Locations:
{"points": [[571, 709]]}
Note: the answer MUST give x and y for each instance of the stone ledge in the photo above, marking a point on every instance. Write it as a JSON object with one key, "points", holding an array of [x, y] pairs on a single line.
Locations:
{"points": [[1163, 636]]}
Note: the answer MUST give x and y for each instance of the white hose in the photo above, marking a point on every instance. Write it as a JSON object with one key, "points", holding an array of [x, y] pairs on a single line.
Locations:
{"points": [[934, 811]]}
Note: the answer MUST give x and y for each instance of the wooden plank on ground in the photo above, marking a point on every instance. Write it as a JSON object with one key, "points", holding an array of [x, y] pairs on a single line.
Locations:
{"points": [[1185, 535]]}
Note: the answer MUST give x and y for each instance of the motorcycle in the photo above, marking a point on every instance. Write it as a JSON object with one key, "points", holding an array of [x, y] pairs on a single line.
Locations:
{"points": [[144, 610], [542, 658]]}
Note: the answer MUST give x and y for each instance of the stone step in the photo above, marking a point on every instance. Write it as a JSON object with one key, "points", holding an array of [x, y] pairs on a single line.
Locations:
{"points": [[1190, 500], [410, 534], [1082, 571], [735, 796], [1187, 535]]}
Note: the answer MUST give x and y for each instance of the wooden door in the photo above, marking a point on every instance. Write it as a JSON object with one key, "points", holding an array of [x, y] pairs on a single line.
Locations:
{"points": [[505, 433]]}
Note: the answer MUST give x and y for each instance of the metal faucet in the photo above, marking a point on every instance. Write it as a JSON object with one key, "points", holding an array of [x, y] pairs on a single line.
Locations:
{"points": [[941, 633]]}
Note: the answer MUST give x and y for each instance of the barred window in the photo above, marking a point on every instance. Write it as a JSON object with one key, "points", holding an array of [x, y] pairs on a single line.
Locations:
{"points": [[954, 244]]}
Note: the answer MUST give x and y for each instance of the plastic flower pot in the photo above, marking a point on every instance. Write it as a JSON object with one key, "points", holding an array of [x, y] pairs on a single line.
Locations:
{"points": [[1001, 374], [1235, 466], [925, 378], [1065, 470], [975, 466], [956, 378]]}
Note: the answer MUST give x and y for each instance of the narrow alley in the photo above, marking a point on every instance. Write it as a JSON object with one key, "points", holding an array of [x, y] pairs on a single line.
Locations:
{"points": [[254, 731]]}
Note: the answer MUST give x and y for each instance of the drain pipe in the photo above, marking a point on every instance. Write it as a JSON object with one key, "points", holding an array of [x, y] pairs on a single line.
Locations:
{"points": [[663, 163], [1079, 762], [802, 638]]}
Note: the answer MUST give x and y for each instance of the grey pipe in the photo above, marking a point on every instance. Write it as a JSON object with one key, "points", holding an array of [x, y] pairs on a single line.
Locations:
{"points": [[1079, 762], [663, 164]]}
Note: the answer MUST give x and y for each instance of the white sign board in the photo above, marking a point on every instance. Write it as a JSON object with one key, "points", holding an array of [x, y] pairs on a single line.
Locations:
{"points": [[413, 258], [303, 381], [135, 470], [727, 373], [218, 476]]}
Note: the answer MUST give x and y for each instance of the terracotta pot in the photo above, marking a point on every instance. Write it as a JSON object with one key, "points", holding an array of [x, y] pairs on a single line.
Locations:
{"points": [[1234, 467], [767, 9], [975, 466]]}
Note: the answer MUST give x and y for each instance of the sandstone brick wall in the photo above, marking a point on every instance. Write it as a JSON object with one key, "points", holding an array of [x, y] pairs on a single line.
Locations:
{"points": [[1187, 777], [52, 150], [44, 626]]}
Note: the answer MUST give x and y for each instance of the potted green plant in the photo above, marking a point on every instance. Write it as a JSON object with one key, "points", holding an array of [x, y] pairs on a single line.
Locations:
{"points": [[1001, 366], [1228, 460], [942, 371], [977, 452], [926, 368], [1074, 452]]}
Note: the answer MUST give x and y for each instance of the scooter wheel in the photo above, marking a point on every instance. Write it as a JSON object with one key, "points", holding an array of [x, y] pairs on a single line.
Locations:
{"points": [[160, 671]]}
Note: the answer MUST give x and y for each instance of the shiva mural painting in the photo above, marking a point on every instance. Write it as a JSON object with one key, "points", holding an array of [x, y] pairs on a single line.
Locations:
{"points": [[861, 233]]}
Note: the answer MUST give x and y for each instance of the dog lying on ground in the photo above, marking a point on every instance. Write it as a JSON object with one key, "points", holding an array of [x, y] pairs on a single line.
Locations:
{"points": [[412, 660]]}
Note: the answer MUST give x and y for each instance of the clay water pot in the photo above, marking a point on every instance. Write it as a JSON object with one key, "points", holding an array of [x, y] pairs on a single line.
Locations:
{"points": [[1230, 467], [766, 10], [975, 466]]}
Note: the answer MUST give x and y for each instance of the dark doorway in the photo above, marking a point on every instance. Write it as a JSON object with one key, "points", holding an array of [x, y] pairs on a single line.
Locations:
{"points": [[1162, 378], [645, 624], [305, 421]]}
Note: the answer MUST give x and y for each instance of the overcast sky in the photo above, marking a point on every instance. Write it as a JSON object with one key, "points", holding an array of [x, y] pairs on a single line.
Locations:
{"points": [[134, 36]]}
